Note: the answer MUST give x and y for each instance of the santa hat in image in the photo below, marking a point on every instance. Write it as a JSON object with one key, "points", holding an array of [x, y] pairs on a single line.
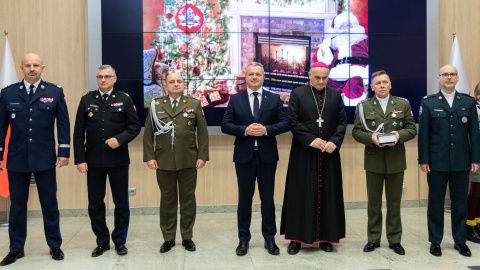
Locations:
{"points": [[344, 18], [320, 64]]}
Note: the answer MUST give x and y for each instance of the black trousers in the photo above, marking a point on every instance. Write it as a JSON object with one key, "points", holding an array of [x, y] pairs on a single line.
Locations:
{"points": [[264, 173], [96, 182]]}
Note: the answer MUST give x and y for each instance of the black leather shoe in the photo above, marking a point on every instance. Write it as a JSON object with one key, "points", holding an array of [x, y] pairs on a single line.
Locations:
{"points": [[189, 245], [473, 234], [272, 248], [397, 248], [242, 248], [167, 246], [463, 249], [100, 249], [325, 246], [435, 250], [57, 254], [11, 257], [121, 249], [294, 248], [369, 247]]}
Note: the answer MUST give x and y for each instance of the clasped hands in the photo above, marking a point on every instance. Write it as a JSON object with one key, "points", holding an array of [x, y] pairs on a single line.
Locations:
{"points": [[256, 129], [323, 145]]}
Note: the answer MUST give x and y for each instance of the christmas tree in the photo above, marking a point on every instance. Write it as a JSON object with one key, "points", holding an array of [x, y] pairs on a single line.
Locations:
{"points": [[200, 50]]}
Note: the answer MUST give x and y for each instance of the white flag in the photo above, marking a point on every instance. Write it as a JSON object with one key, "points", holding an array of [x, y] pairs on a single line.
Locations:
{"points": [[7, 72], [456, 60]]}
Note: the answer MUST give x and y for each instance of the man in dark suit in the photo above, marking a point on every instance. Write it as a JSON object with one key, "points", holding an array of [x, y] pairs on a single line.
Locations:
{"points": [[106, 122], [255, 117], [175, 144], [448, 148], [384, 163], [31, 108]]}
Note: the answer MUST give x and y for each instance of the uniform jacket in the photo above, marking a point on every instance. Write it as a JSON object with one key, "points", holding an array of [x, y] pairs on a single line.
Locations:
{"points": [[238, 116], [448, 138], [32, 140], [191, 135], [398, 116], [98, 121]]}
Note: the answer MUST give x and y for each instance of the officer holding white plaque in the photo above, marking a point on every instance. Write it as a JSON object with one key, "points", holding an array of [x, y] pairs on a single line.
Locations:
{"points": [[384, 123]]}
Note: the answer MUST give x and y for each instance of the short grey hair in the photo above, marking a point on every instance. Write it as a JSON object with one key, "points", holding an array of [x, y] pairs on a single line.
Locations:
{"points": [[102, 67]]}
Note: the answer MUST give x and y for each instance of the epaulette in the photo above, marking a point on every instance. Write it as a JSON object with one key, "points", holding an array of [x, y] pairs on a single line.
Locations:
{"points": [[160, 97], [54, 84], [11, 85], [401, 98], [365, 100], [121, 92], [91, 92], [465, 94], [429, 96]]}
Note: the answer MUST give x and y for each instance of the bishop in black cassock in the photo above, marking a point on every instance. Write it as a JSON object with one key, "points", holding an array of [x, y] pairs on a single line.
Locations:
{"points": [[313, 209]]}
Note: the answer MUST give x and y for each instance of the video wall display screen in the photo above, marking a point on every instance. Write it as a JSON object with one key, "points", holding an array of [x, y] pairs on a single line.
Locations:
{"points": [[212, 41]]}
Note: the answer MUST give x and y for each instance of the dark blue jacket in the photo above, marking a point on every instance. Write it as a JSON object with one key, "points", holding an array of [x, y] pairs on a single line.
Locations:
{"points": [[32, 141], [238, 116], [448, 138]]}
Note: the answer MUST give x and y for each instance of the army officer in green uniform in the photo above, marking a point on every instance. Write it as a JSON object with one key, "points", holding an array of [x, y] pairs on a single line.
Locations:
{"points": [[175, 144], [384, 160]]}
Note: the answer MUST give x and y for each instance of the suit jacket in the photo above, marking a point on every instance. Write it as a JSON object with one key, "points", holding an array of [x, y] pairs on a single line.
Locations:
{"points": [[398, 116], [191, 135], [32, 122], [448, 138], [98, 121], [238, 116]]}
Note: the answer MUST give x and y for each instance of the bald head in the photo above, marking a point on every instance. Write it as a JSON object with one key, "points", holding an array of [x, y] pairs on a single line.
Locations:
{"points": [[32, 67]]}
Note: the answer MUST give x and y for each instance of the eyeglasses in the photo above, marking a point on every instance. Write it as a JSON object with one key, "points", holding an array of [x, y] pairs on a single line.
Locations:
{"points": [[106, 77], [446, 75]]}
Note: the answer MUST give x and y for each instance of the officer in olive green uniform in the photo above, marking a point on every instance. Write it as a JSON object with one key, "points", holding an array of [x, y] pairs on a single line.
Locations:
{"points": [[176, 145], [384, 163]]}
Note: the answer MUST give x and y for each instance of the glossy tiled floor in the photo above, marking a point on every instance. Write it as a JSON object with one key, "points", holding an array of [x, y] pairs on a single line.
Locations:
{"points": [[215, 237]]}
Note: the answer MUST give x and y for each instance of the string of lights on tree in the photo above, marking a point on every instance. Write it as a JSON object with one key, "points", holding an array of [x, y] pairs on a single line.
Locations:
{"points": [[193, 39]]}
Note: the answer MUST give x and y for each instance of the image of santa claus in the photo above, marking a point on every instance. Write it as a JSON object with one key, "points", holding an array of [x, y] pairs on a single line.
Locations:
{"points": [[345, 51]]}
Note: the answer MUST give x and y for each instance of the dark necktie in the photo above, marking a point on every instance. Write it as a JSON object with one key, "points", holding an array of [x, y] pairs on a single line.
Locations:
{"points": [[104, 97], [256, 105], [174, 105], [30, 93]]}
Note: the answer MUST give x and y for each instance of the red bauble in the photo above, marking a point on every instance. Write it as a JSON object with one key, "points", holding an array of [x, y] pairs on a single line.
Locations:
{"points": [[189, 18]]}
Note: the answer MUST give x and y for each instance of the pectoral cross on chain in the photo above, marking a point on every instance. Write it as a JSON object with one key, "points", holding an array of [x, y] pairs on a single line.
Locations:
{"points": [[320, 121]]}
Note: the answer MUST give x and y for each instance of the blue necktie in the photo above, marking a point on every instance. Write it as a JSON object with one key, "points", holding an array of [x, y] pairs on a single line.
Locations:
{"points": [[256, 105], [30, 93]]}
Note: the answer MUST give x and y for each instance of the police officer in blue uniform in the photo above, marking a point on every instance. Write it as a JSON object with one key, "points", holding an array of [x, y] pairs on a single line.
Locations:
{"points": [[31, 107], [106, 122], [448, 149]]}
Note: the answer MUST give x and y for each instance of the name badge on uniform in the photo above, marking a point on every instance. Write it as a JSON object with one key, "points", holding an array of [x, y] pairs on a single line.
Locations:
{"points": [[13, 115], [464, 119]]}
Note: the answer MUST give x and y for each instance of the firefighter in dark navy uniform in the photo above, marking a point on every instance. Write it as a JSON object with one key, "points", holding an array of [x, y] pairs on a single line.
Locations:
{"points": [[448, 149], [31, 108], [106, 122]]}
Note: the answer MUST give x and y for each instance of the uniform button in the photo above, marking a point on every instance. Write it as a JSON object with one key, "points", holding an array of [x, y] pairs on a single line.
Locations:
{"points": [[30, 119], [30, 140], [30, 129], [31, 109]]}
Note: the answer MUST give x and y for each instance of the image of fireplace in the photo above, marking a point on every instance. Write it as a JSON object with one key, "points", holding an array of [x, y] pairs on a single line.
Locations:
{"points": [[285, 58]]}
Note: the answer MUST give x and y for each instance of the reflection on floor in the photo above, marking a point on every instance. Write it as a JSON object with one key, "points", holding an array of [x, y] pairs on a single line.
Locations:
{"points": [[216, 238]]}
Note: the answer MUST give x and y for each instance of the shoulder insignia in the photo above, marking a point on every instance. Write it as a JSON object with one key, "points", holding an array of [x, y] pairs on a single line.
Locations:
{"points": [[465, 94], [91, 93], [429, 96], [365, 100], [401, 98], [17, 83], [54, 84], [123, 93]]}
